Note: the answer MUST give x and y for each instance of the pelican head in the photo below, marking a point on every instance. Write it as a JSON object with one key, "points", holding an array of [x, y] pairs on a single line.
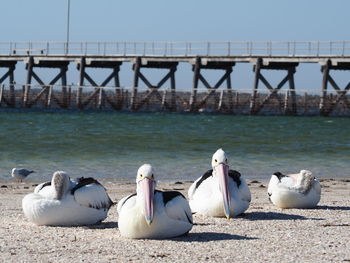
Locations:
{"points": [[61, 183], [220, 170], [145, 188]]}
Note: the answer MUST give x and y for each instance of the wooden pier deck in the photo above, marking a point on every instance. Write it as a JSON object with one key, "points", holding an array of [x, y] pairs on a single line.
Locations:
{"points": [[219, 56]]}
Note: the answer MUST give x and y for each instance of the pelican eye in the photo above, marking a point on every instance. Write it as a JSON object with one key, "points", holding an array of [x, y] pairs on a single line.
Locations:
{"points": [[141, 175], [216, 160]]}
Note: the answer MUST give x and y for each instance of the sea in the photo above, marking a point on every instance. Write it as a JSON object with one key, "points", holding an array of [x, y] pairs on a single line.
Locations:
{"points": [[112, 145]]}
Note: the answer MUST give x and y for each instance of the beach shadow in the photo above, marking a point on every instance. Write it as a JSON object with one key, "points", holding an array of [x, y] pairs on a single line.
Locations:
{"points": [[253, 216], [327, 207], [103, 225], [210, 236]]}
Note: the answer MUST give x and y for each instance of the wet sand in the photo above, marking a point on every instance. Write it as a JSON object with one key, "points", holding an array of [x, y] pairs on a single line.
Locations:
{"points": [[264, 233]]}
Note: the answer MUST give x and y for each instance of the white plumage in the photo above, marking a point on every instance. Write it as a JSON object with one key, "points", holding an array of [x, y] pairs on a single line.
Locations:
{"points": [[65, 202], [153, 214], [219, 192], [300, 190], [20, 173]]}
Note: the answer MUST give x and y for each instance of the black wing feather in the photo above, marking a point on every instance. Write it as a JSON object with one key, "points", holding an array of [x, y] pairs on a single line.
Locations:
{"points": [[44, 185], [169, 195], [204, 176], [82, 181], [236, 176], [279, 175], [127, 199]]}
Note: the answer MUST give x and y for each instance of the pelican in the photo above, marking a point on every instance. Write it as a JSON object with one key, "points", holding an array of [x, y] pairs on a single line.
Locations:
{"points": [[219, 192], [300, 190], [20, 173], [67, 203], [151, 213]]}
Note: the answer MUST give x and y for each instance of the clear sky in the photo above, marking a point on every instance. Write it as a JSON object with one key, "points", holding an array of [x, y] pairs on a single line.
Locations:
{"points": [[182, 20]]}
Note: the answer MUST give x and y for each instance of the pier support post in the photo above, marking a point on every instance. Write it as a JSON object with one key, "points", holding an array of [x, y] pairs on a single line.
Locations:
{"points": [[255, 108], [2, 86], [94, 96], [197, 76], [256, 69], [196, 71], [46, 89], [325, 75], [293, 111], [135, 83], [327, 105], [81, 67], [65, 102], [153, 90], [10, 66], [118, 90], [29, 68], [173, 92]]}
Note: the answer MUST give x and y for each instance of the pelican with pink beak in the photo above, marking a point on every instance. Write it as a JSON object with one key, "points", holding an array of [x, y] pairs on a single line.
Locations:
{"points": [[220, 192], [151, 213]]}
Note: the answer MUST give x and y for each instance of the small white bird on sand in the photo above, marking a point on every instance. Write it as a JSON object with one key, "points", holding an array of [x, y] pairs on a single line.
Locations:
{"points": [[219, 192], [300, 190], [64, 202], [20, 173], [151, 213]]}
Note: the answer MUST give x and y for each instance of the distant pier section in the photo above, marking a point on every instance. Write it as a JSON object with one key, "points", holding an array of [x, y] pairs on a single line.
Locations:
{"points": [[263, 98]]}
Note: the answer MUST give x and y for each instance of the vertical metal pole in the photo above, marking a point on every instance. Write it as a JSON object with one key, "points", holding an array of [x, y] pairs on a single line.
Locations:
{"points": [[68, 21]]}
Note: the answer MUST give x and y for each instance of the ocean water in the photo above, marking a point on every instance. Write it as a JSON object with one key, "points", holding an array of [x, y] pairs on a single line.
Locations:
{"points": [[179, 146]]}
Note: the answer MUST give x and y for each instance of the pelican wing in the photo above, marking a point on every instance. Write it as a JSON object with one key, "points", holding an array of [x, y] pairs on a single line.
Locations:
{"points": [[89, 192], [41, 186], [236, 176], [198, 182], [127, 200], [176, 206]]}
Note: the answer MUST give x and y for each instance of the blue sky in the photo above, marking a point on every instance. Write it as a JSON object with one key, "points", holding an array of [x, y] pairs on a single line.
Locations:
{"points": [[156, 20]]}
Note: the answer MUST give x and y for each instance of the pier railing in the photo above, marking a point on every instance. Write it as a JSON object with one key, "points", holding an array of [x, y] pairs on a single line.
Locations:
{"points": [[229, 48]]}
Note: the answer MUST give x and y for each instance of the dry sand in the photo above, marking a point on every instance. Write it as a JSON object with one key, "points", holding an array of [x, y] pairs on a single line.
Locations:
{"points": [[263, 234]]}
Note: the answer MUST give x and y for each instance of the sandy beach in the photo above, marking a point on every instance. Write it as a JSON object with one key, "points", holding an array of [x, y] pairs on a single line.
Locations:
{"points": [[263, 234]]}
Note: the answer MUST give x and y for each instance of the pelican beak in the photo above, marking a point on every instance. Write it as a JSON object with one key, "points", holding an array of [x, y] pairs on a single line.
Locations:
{"points": [[222, 172], [147, 186]]}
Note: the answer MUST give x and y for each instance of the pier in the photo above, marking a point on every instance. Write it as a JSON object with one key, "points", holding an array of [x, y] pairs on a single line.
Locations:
{"points": [[264, 98]]}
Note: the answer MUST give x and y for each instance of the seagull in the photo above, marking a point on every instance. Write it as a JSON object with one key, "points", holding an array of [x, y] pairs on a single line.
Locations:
{"points": [[219, 192], [63, 202], [20, 174], [153, 214], [300, 190]]}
